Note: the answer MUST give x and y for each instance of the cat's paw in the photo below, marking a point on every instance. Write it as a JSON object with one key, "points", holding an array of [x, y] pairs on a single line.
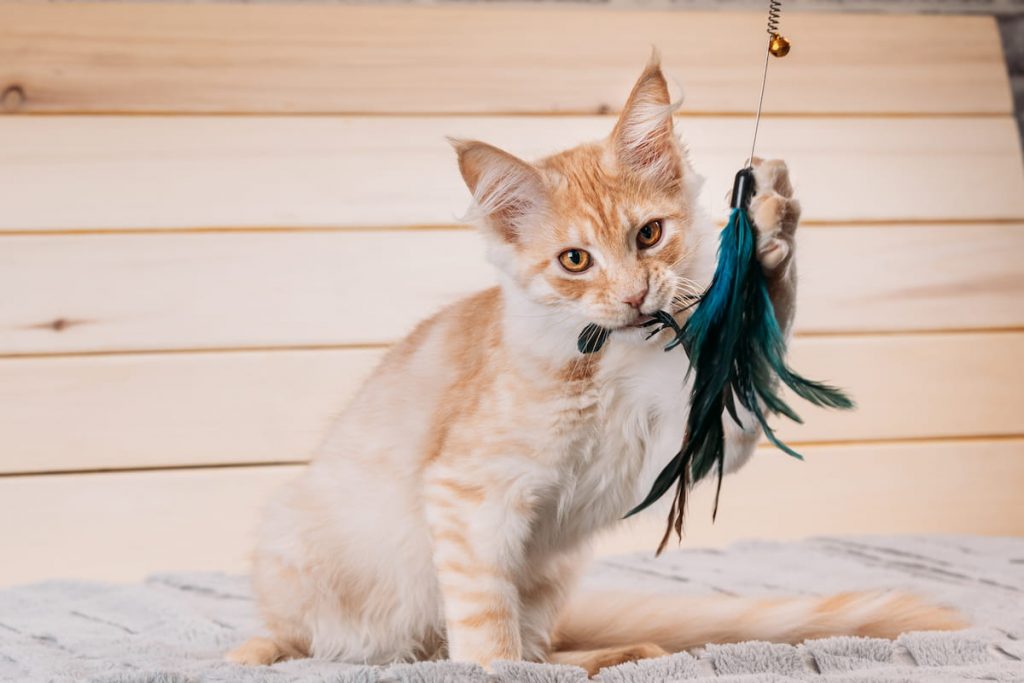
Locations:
{"points": [[775, 214], [255, 652]]}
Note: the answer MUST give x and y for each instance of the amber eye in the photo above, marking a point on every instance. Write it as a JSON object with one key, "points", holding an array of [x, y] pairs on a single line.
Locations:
{"points": [[649, 235], [575, 260]]}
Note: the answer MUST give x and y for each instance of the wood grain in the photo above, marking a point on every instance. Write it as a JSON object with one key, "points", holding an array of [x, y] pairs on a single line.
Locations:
{"points": [[188, 291], [134, 411], [83, 57], [122, 526], [893, 278], [142, 173], [170, 410]]}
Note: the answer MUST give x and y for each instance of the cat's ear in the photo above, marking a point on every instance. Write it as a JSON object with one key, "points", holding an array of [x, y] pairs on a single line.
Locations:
{"points": [[508, 192], [643, 138]]}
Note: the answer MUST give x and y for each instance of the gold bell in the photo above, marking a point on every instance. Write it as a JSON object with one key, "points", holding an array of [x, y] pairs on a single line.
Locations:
{"points": [[778, 46]]}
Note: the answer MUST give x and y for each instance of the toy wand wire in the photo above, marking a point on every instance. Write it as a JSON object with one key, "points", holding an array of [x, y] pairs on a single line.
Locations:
{"points": [[777, 46], [760, 102]]}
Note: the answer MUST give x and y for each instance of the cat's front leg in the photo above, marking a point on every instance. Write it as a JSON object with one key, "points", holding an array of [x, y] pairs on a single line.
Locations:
{"points": [[479, 523], [543, 591], [775, 214]]}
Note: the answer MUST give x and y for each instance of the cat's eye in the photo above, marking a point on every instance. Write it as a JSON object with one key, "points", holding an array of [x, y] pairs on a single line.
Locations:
{"points": [[575, 260], [649, 235]]}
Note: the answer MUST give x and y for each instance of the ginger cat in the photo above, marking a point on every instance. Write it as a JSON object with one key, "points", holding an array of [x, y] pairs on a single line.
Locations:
{"points": [[449, 511]]}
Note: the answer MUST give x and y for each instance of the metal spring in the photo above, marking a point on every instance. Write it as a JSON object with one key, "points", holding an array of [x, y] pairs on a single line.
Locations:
{"points": [[774, 10]]}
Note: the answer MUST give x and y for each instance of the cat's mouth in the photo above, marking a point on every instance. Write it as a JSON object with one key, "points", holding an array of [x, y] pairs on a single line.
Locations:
{"points": [[641, 321], [593, 336]]}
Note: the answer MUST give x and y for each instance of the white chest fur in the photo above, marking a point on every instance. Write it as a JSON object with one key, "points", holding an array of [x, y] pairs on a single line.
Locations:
{"points": [[610, 458]]}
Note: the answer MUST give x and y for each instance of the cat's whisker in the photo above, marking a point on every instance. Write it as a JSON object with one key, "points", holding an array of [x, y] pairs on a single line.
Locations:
{"points": [[587, 339], [584, 358], [682, 279], [681, 260], [688, 284], [688, 292]]}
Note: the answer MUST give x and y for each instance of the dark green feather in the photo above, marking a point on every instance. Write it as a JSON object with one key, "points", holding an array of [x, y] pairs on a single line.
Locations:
{"points": [[737, 352], [592, 338]]}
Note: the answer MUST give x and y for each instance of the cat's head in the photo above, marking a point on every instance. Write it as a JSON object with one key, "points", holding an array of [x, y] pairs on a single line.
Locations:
{"points": [[600, 232]]}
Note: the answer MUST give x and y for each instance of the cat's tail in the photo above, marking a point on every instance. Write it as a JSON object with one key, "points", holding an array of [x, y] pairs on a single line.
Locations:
{"points": [[677, 623]]}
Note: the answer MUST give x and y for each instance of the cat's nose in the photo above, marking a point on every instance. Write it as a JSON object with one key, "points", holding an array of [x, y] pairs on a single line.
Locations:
{"points": [[637, 299]]}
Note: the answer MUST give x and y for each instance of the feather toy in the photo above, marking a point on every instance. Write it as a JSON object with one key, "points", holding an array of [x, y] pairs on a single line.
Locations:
{"points": [[735, 346]]}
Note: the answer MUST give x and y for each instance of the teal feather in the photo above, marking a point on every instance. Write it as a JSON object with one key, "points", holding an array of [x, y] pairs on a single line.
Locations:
{"points": [[737, 352]]}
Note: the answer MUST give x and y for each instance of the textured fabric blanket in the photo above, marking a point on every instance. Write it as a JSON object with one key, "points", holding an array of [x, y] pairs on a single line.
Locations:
{"points": [[175, 628]]}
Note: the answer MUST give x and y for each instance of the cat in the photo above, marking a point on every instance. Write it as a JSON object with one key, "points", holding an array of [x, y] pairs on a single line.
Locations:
{"points": [[449, 510]]}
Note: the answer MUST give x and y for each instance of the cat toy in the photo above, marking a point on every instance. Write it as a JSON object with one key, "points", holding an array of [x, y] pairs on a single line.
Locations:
{"points": [[734, 343]]}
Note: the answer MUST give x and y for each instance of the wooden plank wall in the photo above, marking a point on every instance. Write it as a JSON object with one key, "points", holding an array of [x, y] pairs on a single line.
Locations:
{"points": [[199, 198]]}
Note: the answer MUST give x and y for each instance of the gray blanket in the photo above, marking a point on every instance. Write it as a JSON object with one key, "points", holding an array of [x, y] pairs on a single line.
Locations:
{"points": [[175, 628]]}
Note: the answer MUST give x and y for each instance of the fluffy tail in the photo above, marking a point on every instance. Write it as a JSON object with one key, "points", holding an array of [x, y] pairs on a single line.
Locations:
{"points": [[678, 623]]}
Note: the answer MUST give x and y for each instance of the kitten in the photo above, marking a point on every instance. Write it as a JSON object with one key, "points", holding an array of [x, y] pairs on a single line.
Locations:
{"points": [[449, 511]]}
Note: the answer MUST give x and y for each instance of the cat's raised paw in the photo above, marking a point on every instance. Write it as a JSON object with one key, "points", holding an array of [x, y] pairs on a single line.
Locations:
{"points": [[775, 214]]}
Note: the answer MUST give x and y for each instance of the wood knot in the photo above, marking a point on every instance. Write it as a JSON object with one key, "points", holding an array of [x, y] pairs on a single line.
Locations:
{"points": [[604, 109], [57, 324], [12, 98]]}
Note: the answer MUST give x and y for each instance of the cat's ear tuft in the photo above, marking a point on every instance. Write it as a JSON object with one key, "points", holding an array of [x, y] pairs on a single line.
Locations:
{"points": [[508, 193], [643, 138]]}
